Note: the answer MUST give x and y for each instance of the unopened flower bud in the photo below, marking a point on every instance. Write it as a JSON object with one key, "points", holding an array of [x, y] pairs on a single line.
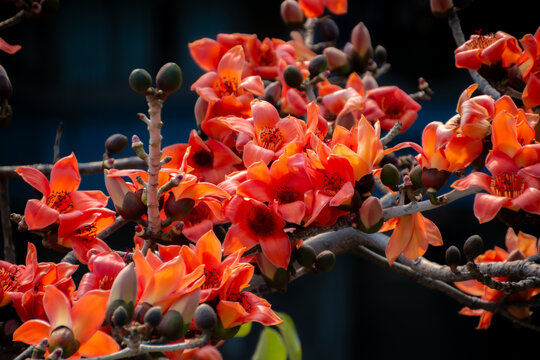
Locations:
{"points": [[515, 255], [132, 206], [390, 176], [272, 92], [64, 338], [171, 325], [325, 261], [205, 318], [346, 120], [115, 144], [415, 175], [336, 58], [200, 110], [186, 306], [140, 80], [169, 78], [120, 316], [380, 55], [473, 247], [441, 8], [361, 40], [293, 76], [317, 65], [369, 82], [305, 255], [291, 13], [365, 185], [140, 311], [434, 178], [178, 209], [329, 29], [370, 216], [453, 257], [124, 287], [6, 90], [153, 316]]}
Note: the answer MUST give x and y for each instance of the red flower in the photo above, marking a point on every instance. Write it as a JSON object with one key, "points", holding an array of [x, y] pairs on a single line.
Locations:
{"points": [[10, 49], [488, 50], [396, 105], [254, 223], [103, 270], [315, 8], [60, 197]]}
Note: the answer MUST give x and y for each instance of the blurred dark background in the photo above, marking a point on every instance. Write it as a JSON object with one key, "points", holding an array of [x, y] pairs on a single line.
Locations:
{"points": [[73, 68]]}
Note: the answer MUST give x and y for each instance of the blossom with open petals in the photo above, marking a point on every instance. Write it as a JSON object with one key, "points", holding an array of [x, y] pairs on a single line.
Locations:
{"points": [[488, 50], [83, 318], [315, 8], [60, 196], [396, 105]]}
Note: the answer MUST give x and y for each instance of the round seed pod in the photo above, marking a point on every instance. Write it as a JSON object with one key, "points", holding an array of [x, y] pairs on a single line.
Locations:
{"points": [[452, 257], [292, 76], [171, 325], [64, 338], [305, 255], [317, 65], [140, 80], [329, 29], [325, 261], [120, 317], [390, 176], [153, 316], [473, 247], [416, 176], [380, 55], [205, 318], [169, 78], [115, 144]]}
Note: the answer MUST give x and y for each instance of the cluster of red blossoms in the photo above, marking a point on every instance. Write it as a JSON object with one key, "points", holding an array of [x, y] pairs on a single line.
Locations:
{"points": [[286, 139]]}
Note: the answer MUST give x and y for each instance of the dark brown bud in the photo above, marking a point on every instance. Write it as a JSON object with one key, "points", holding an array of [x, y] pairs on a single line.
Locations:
{"points": [[325, 261], [305, 255], [441, 8], [293, 76], [120, 317], [132, 206], [178, 209], [434, 178], [140, 311], [380, 55], [115, 144], [329, 29], [473, 247], [416, 176], [515, 255], [390, 176], [317, 65], [6, 90], [365, 185], [291, 13], [64, 338], [453, 257], [153, 316], [169, 78], [171, 325], [140, 80], [272, 92], [205, 318]]}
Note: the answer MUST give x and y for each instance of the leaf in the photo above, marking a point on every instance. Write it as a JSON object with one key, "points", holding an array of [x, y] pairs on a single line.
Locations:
{"points": [[290, 337], [244, 330], [270, 346]]}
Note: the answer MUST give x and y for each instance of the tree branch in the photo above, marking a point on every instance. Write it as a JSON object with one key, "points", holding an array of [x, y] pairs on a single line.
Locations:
{"points": [[5, 213]]}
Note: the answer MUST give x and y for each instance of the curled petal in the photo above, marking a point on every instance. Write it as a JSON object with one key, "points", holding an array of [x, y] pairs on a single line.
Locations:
{"points": [[32, 332], [487, 206]]}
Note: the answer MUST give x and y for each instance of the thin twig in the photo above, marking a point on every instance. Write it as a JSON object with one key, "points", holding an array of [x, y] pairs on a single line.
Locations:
{"points": [[56, 148], [12, 21], [483, 84], [26, 353], [394, 131], [120, 222], [5, 213]]}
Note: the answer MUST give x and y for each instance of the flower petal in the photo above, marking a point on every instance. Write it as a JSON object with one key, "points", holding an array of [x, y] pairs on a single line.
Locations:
{"points": [[38, 215], [88, 314], [57, 307], [98, 345], [487, 206], [32, 332], [35, 178], [65, 174]]}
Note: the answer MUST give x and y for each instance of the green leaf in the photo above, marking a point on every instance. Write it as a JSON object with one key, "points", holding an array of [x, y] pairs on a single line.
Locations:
{"points": [[270, 346], [244, 330], [290, 337]]}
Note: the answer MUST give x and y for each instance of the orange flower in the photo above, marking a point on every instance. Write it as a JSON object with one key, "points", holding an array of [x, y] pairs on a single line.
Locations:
{"points": [[255, 223], [60, 197], [524, 243], [488, 50], [315, 8], [82, 319], [396, 105], [10, 49], [237, 307], [103, 268], [411, 236]]}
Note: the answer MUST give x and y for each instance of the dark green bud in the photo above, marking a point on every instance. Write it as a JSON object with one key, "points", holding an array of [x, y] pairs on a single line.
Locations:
{"points": [[473, 247], [434, 178], [281, 279], [325, 261], [63, 337], [153, 316], [120, 317], [169, 78], [140, 80], [171, 325], [115, 144], [452, 257], [205, 318], [305, 255], [329, 29], [390, 176], [416, 176], [293, 76], [317, 65], [220, 333]]}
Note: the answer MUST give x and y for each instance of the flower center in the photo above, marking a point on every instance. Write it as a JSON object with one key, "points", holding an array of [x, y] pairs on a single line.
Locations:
{"points": [[286, 194], [86, 232], [392, 110], [60, 201], [332, 183], [212, 279], [260, 220], [510, 185], [105, 283], [197, 214], [203, 158], [7, 280], [228, 87], [270, 138], [481, 42], [242, 299]]}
